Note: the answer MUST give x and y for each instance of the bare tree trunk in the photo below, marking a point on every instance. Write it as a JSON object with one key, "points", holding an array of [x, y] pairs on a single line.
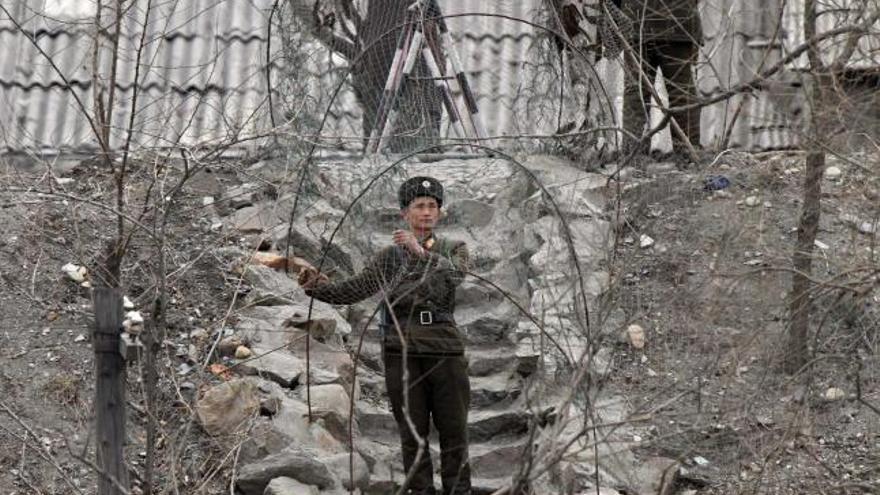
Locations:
{"points": [[800, 303]]}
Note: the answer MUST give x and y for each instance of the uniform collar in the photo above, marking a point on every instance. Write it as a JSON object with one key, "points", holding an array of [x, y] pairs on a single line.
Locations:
{"points": [[429, 241]]}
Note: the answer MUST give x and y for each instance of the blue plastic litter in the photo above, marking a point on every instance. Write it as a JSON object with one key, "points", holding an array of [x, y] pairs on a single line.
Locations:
{"points": [[716, 183]]}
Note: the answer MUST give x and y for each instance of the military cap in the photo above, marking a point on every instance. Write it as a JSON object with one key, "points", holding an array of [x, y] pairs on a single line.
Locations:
{"points": [[418, 187]]}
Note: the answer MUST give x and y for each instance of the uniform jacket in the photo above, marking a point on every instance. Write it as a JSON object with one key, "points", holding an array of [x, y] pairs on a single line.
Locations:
{"points": [[410, 285], [664, 20]]}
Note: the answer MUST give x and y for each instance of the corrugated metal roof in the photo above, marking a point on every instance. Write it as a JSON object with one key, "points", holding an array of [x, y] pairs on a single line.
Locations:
{"points": [[204, 76], [201, 76], [832, 14], [736, 47], [205, 64]]}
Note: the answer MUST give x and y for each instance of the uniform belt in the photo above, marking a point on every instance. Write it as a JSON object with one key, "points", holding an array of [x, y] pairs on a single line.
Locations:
{"points": [[425, 317]]}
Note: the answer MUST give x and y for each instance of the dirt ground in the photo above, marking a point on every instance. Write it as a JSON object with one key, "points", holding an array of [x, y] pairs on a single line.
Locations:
{"points": [[47, 375], [710, 294]]}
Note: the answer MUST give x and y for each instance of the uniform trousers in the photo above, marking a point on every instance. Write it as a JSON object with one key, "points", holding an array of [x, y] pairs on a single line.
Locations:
{"points": [[436, 389]]}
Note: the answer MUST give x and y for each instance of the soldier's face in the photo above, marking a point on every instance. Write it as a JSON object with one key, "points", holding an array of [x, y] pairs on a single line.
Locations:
{"points": [[422, 214]]}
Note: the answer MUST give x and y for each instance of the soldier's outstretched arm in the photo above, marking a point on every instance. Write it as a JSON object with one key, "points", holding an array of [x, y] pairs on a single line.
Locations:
{"points": [[375, 275]]}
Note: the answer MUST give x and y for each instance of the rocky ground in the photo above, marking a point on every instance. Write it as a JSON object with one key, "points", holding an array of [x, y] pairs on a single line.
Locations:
{"points": [[685, 290]]}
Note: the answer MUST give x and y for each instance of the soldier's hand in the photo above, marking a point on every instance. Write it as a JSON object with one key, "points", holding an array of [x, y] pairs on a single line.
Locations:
{"points": [[407, 240], [309, 278]]}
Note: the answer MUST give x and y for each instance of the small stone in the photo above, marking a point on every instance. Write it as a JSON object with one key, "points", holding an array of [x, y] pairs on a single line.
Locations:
{"points": [[635, 336], [75, 272], [821, 245], [207, 200], [80, 338], [126, 303], [645, 241], [701, 461], [867, 228], [133, 323], [834, 394], [192, 354], [833, 173], [752, 201], [52, 316], [63, 181], [198, 335], [242, 352], [229, 345]]}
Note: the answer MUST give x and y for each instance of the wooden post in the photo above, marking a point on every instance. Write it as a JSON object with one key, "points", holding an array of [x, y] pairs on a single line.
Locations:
{"points": [[109, 392]]}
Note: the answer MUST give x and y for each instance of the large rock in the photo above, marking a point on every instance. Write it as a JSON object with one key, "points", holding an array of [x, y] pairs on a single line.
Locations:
{"points": [[272, 328], [483, 329], [270, 287], [590, 240], [242, 195], [341, 465], [274, 288], [330, 406], [487, 425], [276, 364], [289, 426], [292, 462], [309, 236], [560, 298], [254, 219], [485, 362], [495, 461], [575, 192], [226, 407], [279, 325], [493, 389], [289, 486], [470, 213], [655, 475]]}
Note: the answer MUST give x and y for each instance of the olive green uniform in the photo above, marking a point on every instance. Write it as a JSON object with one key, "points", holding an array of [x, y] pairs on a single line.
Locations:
{"points": [[668, 35], [420, 334]]}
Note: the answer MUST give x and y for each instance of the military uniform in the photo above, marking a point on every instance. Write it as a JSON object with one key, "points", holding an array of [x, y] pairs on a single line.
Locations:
{"points": [[668, 35], [420, 334]]}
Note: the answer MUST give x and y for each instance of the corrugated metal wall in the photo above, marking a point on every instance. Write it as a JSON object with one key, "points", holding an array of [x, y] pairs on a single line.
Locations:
{"points": [[201, 76], [205, 78]]}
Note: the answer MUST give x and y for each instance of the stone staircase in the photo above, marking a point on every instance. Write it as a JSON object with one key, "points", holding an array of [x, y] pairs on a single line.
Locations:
{"points": [[498, 423]]}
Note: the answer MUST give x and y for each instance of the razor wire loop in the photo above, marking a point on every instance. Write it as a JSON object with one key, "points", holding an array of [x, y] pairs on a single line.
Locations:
{"points": [[413, 42]]}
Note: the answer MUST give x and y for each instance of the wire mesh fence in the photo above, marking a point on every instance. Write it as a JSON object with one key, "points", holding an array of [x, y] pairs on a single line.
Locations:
{"points": [[644, 307]]}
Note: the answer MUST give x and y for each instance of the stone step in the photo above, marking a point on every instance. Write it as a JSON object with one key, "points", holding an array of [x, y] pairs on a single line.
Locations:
{"points": [[383, 485], [487, 361], [496, 424], [497, 389], [483, 425], [496, 460]]}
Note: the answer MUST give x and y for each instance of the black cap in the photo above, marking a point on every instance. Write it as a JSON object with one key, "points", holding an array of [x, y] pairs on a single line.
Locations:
{"points": [[417, 187]]}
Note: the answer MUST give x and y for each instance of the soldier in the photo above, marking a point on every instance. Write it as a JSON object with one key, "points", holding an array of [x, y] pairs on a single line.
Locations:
{"points": [[426, 373], [668, 35]]}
